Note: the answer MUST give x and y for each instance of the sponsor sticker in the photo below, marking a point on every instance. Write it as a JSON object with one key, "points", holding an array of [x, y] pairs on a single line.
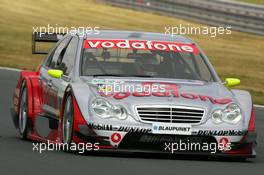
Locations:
{"points": [[97, 81], [224, 144], [116, 137], [168, 93], [119, 128], [171, 128], [140, 44], [220, 132]]}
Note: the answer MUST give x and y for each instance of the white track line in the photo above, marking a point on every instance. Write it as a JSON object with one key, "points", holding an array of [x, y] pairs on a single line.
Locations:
{"points": [[11, 69], [259, 106], [18, 70]]}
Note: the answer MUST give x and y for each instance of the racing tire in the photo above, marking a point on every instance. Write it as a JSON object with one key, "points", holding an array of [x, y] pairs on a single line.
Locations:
{"points": [[23, 113], [67, 121]]}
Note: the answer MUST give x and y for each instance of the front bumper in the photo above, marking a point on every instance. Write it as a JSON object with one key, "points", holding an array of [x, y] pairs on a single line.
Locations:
{"points": [[112, 139]]}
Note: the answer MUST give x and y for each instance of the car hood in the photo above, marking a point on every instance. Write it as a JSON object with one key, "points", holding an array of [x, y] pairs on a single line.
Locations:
{"points": [[201, 94]]}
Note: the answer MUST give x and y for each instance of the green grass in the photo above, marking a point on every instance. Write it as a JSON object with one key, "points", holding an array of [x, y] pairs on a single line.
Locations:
{"points": [[236, 55], [253, 1]]}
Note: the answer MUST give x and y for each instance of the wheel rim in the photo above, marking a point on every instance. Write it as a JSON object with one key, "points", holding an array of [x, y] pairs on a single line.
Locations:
{"points": [[23, 112], [67, 122]]}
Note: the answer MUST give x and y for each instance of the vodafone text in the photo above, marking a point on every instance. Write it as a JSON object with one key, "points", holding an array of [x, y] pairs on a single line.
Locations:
{"points": [[138, 44]]}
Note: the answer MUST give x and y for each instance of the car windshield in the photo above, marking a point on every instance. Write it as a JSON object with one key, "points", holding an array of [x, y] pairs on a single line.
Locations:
{"points": [[156, 63]]}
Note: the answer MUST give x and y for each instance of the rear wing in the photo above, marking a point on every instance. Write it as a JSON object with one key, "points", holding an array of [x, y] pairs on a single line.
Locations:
{"points": [[44, 37]]}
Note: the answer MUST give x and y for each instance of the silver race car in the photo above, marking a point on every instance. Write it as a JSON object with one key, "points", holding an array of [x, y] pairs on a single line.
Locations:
{"points": [[136, 92]]}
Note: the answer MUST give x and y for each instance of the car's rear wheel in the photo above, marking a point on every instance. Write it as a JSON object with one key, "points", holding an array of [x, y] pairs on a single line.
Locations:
{"points": [[67, 121], [23, 113]]}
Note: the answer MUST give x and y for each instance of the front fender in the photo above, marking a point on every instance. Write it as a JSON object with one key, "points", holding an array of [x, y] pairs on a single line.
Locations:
{"points": [[245, 101], [30, 80]]}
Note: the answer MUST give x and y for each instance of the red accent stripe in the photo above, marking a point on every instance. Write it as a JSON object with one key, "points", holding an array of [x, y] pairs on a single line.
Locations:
{"points": [[105, 147], [251, 125]]}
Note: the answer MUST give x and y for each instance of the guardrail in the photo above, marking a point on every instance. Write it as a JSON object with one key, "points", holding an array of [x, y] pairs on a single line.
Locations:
{"points": [[240, 16]]}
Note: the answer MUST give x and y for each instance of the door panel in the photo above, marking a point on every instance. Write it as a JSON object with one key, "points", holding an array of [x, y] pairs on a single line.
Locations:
{"points": [[45, 80], [49, 84], [66, 65]]}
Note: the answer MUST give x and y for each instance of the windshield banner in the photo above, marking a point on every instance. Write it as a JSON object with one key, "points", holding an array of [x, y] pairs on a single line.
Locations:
{"points": [[139, 44]]}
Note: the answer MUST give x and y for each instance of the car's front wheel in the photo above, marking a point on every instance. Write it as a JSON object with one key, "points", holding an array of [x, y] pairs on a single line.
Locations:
{"points": [[67, 121], [23, 113]]}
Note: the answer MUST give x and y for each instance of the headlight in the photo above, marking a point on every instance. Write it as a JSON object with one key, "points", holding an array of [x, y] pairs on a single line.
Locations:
{"points": [[231, 114], [104, 109], [217, 116], [101, 107]]}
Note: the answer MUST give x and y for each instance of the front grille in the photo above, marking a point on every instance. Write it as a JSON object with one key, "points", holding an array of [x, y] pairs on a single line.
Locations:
{"points": [[170, 114]]}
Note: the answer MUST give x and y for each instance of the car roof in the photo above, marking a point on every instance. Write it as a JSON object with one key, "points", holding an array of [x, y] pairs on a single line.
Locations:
{"points": [[137, 35]]}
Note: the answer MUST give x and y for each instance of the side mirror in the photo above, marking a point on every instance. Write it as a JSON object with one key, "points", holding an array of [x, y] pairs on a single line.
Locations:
{"points": [[55, 73], [231, 82]]}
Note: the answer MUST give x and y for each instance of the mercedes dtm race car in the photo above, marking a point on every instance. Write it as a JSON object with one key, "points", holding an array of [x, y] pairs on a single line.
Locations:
{"points": [[133, 91]]}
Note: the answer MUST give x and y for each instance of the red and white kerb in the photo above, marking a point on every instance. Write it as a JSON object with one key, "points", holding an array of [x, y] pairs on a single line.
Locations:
{"points": [[142, 45]]}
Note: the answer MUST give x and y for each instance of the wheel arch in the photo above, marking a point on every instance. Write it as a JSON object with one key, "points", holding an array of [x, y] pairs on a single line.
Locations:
{"points": [[78, 117], [30, 80]]}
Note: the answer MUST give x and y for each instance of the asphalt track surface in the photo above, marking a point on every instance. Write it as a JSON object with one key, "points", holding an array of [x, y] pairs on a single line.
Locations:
{"points": [[17, 156]]}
